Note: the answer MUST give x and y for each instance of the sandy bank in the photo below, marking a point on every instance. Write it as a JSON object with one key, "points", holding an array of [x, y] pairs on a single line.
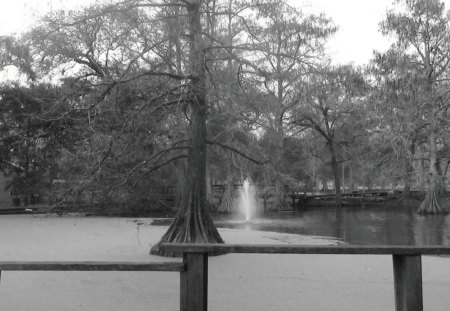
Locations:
{"points": [[237, 281]]}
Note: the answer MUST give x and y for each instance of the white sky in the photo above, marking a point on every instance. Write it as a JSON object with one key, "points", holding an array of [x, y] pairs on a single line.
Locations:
{"points": [[358, 21], [358, 33]]}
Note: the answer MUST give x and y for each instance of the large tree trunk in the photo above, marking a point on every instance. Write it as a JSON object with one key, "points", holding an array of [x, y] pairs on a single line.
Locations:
{"points": [[192, 223], [336, 174], [324, 184], [180, 171], [408, 173], [421, 169], [406, 198], [430, 204], [280, 191], [350, 178]]}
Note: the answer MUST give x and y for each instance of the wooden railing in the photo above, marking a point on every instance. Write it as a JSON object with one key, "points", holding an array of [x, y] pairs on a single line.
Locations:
{"points": [[407, 267]]}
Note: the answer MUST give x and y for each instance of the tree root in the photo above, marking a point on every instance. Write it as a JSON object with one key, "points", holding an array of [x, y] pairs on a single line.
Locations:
{"points": [[430, 204], [408, 202]]}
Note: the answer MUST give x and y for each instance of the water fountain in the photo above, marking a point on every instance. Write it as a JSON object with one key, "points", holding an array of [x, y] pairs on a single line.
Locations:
{"points": [[247, 200]]}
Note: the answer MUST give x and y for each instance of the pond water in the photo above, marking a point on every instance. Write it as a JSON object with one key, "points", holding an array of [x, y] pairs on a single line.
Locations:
{"points": [[354, 225]]}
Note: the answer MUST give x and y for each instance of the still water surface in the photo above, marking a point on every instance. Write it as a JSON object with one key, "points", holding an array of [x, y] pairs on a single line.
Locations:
{"points": [[354, 225]]}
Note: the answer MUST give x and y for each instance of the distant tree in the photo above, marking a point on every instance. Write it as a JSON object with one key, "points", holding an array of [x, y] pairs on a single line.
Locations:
{"points": [[17, 54], [288, 45], [31, 134], [330, 108], [421, 30], [397, 102]]}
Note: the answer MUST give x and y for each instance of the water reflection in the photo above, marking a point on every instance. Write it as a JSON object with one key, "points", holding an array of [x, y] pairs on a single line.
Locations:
{"points": [[370, 226]]}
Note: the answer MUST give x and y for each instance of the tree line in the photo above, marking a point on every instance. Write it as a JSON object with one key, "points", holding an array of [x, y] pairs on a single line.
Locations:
{"points": [[127, 96]]}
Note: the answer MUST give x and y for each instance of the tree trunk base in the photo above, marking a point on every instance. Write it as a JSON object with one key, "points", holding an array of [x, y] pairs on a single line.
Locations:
{"points": [[430, 204], [409, 202], [188, 228]]}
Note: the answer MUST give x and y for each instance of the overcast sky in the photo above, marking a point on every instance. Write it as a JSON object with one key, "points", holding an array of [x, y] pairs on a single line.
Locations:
{"points": [[358, 21], [358, 33]]}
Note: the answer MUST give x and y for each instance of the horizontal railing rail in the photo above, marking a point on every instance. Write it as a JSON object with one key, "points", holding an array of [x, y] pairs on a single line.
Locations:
{"points": [[307, 249], [90, 266]]}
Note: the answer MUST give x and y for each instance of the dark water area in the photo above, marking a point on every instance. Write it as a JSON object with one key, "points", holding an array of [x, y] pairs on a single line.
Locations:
{"points": [[354, 225]]}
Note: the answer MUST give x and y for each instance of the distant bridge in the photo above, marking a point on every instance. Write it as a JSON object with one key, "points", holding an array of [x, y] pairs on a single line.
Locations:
{"points": [[301, 198]]}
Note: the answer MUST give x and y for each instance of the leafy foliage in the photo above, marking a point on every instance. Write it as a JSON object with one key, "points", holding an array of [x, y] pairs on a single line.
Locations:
{"points": [[143, 95]]}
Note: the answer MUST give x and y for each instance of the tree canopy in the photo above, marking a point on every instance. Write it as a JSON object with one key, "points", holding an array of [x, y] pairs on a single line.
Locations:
{"points": [[124, 97]]}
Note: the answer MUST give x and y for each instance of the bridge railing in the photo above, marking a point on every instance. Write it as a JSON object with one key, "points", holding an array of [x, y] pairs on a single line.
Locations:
{"points": [[407, 267]]}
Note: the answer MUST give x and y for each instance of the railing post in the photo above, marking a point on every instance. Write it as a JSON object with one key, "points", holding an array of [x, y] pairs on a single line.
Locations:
{"points": [[408, 282], [194, 282]]}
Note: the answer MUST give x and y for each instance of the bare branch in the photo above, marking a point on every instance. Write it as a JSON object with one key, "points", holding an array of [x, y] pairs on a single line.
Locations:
{"points": [[237, 151], [154, 168], [154, 156]]}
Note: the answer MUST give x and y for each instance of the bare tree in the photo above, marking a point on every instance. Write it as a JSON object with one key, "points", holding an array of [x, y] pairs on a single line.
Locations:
{"points": [[422, 31]]}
